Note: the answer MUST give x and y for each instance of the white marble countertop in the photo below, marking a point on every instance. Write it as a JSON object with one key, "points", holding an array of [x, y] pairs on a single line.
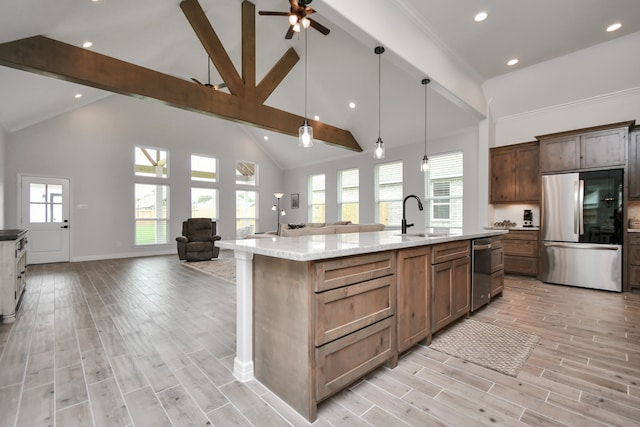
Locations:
{"points": [[633, 230], [518, 228], [311, 248]]}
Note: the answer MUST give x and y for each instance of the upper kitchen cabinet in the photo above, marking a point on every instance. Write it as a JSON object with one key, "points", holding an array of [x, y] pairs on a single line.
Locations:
{"points": [[634, 164], [600, 147], [515, 176]]}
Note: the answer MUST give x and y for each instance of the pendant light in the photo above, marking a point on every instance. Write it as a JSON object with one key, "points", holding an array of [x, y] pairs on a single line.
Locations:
{"points": [[305, 133], [378, 153], [424, 167]]}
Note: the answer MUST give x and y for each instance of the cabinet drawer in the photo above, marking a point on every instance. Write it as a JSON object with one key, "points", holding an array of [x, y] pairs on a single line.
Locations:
{"points": [[444, 252], [344, 310], [521, 248], [341, 362], [521, 235], [497, 242], [634, 238], [347, 271], [521, 265]]}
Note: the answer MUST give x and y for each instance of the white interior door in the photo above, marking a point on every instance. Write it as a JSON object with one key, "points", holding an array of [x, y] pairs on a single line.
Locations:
{"points": [[45, 213]]}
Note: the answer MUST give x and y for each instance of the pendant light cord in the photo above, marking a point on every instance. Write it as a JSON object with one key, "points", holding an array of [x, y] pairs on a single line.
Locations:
{"points": [[379, 97], [425, 119], [305, 74]]}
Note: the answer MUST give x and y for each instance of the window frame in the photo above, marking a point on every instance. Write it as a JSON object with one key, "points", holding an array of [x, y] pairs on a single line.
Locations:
{"points": [[340, 200], [161, 223], [394, 204], [310, 200], [454, 200]]}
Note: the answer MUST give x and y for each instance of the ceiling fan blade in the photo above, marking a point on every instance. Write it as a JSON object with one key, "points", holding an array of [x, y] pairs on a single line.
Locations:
{"points": [[219, 86], [197, 81], [289, 34], [267, 13], [315, 24]]}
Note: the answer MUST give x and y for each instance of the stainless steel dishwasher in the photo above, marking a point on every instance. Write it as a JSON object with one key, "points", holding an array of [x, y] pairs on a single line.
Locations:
{"points": [[481, 278]]}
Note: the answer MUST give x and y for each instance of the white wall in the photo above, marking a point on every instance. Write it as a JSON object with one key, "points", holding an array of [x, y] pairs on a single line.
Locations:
{"points": [[591, 87], [94, 147], [3, 168], [411, 155]]}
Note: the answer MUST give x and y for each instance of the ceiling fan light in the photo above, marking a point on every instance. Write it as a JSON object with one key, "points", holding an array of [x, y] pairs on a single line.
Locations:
{"points": [[296, 27], [293, 19], [305, 135], [305, 22]]}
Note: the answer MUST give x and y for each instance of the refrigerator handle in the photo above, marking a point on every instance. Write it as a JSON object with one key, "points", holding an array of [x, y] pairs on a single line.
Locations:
{"points": [[581, 207], [576, 207]]}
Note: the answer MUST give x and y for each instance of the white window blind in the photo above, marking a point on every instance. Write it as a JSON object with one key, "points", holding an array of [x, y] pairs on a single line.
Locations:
{"points": [[349, 195], [444, 191], [388, 190]]}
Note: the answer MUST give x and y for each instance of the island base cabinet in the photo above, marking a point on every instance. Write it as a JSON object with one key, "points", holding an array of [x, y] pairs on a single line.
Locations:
{"points": [[450, 284], [413, 316], [320, 326]]}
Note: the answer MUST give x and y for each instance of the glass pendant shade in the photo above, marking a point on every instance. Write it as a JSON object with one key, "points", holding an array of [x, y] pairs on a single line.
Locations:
{"points": [[305, 135], [293, 19], [305, 22], [296, 27], [424, 167], [378, 153]]}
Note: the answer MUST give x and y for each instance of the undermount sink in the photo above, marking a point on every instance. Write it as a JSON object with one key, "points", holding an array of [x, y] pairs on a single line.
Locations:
{"points": [[424, 234]]}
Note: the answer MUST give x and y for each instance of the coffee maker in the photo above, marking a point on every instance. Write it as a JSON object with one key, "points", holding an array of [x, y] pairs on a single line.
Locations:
{"points": [[527, 218]]}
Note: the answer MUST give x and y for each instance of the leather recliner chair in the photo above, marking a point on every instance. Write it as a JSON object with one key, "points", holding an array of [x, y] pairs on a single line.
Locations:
{"points": [[197, 242]]}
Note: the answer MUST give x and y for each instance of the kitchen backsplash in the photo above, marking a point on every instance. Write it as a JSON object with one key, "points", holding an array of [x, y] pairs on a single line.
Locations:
{"points": [[514, 213]]}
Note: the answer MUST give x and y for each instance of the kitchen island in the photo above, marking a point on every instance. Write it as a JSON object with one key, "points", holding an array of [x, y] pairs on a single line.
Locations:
{"points": [[316, 313]]}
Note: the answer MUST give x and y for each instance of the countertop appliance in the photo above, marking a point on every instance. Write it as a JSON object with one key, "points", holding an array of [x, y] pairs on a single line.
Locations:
{"points": [[527, 218], [481, 278], [581, 229]]}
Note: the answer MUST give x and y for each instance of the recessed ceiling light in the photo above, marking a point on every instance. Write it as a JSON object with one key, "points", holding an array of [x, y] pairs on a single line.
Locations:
{"points": [[266, 138], [352, 105], [480, 16], [87, 44], [78, 95], [614, 27], [316, 117], [513, 61]]}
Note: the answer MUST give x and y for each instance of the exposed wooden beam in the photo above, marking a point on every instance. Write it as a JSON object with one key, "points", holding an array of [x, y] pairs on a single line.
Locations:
{"points": [[52, 58], [212, 44], [249, 47], [274, 77]]}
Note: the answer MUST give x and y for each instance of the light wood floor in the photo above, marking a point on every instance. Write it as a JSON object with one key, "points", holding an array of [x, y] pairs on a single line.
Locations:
{"points": [[148, 342]]}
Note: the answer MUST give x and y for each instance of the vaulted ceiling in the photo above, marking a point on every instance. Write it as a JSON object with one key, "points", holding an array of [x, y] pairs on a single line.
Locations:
{"points": [[342, 66]]}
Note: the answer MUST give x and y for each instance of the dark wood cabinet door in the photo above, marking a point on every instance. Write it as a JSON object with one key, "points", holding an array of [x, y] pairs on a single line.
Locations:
{"points": [[441, 290], [527, 173], [560, 154], [502, 176], [413, 314], [603, 149], [634, 165], [461, 287]]}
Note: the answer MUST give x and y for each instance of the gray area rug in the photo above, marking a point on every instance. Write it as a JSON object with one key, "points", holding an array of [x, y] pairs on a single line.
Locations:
{"points": [[495, 347], [222, 268]]}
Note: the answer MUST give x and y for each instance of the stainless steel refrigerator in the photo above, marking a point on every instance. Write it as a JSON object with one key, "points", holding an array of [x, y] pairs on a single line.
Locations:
{"points": [[581, 229]]}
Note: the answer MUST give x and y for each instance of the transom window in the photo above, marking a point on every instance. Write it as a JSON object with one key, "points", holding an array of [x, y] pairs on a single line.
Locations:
{"points": [[151, 162], [246, 173], [204, 168]]}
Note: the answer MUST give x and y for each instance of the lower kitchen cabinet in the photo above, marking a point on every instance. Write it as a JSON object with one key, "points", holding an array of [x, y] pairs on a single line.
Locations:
{"points": [[521, 252], [319, 326], [13, 272], [450, 283], [413, 316], [634, 260], [497, 265]]}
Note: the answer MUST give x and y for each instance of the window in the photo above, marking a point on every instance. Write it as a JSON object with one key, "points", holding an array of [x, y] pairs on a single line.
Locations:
{"points": [[204, 203], [246, 212], [316, 201], [204, 168], [151, 213], [45, 204], [246, 173], [349, 195], [389, 193], [151, 162], [443, 191]]}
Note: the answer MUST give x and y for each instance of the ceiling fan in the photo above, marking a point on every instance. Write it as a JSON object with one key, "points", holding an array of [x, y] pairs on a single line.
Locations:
{"points": [[298, 17], [208, 84]]}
